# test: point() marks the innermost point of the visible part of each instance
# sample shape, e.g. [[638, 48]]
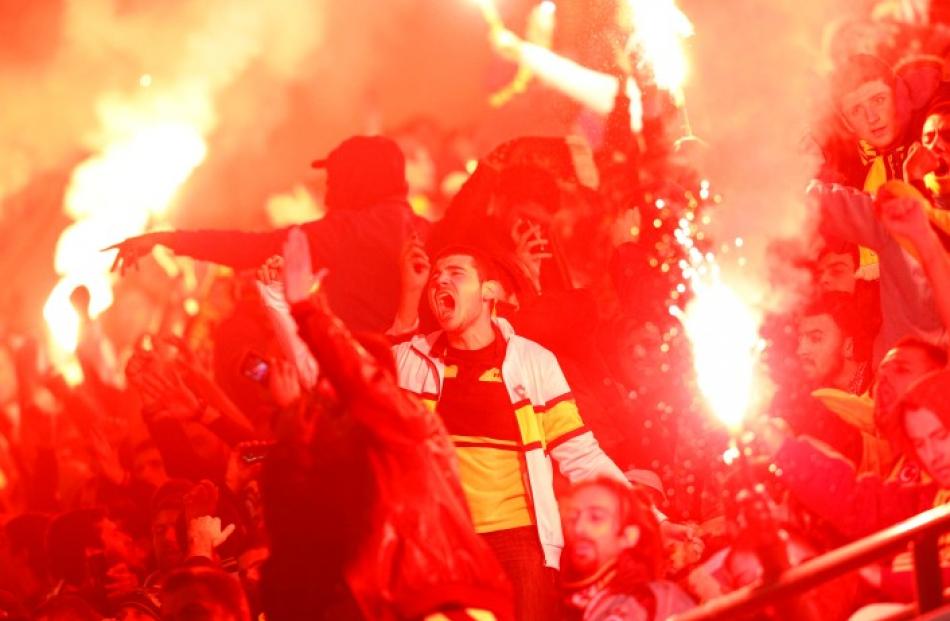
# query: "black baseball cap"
[[362, 170]]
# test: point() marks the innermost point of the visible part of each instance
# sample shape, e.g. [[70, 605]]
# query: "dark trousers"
[[536, 593]]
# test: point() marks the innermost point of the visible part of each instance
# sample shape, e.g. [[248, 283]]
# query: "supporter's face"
[[820, 348], [592, 529], [194, 603], [455, 293], [871, 112], [835, 272], [936, 137], [117, 544], [636, 356], [148, 467], [899, 368], [931, 442], [167, 548]]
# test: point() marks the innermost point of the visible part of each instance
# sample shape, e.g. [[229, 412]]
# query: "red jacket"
[[855, 505]]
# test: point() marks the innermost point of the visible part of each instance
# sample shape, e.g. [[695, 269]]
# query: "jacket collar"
[[434, 344]]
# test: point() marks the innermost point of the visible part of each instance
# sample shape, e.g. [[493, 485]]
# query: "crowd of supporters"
[[489, 412]]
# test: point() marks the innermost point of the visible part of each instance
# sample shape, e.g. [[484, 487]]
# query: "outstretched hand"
[[299, 279], [163, 391], [133, 249]]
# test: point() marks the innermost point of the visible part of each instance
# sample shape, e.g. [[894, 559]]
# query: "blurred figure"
[[827, 485], [359, 240], [168, 526], [91, 557], [94, 350], [908, 304], [928, 164], [67, 608], [203, 593], [23, 570], [614, 556], [148, 469]]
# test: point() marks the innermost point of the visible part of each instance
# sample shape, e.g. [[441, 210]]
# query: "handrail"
[[922, 529]]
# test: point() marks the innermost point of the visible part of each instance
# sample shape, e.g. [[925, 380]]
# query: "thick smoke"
[[753, 83], [268, 86]]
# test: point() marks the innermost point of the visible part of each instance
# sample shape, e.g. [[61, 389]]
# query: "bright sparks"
[[658, 39], [724, 333], [114, 194]]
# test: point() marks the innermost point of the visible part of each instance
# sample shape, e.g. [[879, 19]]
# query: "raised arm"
[[270, 286], [847, 214], [906, 218], [360, 380], [238, 249]]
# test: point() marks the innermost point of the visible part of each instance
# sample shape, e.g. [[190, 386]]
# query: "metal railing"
[[922, 531]]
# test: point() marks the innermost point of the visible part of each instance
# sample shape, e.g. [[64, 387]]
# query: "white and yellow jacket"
[[548, 420]]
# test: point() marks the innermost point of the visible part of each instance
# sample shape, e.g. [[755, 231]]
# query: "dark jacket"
[[855, 505], [360, 247]]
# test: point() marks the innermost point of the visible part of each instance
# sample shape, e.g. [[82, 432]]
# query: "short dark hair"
[[171, 495], [222, 587], [484, 263], [856, 71], [843, 310], [67, 539], [647, 559], [837, 246]]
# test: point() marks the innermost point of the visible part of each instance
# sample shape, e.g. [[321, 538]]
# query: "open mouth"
[[444, 302]]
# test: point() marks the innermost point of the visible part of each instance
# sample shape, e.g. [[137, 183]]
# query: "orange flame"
[[724, 333], [112, 195]]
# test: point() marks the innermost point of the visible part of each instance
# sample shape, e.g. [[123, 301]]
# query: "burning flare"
[[658, 40], [724, 333], [146, 155]]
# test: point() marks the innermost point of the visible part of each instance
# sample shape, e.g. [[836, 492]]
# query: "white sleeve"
[[285, 328]]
